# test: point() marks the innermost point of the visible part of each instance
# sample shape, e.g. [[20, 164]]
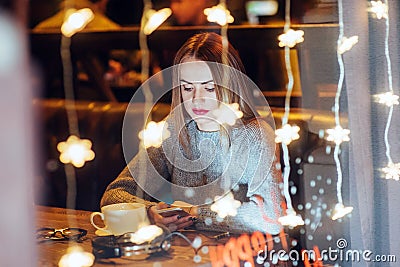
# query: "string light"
[[391, 171], [287, 133], [379, 9], [75, 151], [155, 19], [291, 219], [154, 134], [227, 113], [290, 38], [76, 257], [76, 20], [388, 98], [338, 134], [225, 205], [345, 44], [219, 14], [340, 211], [146, 234]]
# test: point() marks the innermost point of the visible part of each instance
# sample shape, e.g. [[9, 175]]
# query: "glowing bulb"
[[76, 20], [146, 234], [76, 257], [291, 38], [76, 151], [338, 135], [345, 44], [291, 219], [154, 134], [392, 171], [228, 113], [287, 134], [218, 14], [388, 98], [155, 19], [379, 9], [225, 205], [340, 211]]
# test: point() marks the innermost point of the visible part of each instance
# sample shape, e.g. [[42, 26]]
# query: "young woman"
[[205, 157]]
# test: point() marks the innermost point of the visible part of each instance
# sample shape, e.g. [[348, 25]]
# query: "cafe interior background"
[[337, 80]]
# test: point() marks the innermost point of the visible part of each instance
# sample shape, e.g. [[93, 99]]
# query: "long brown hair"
[[230, 85]]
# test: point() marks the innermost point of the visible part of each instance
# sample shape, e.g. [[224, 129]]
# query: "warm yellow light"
[[146, 234], [218, 14], [228, 113], [76, 151], [287, 134], [76, 257], [340, 211], [225, 205], [76, 20], [392, 171], [155, 19], [154, 134], [388, 98], [379, 9], [290, 38], [345, 44], [338, 135], [291, 219]]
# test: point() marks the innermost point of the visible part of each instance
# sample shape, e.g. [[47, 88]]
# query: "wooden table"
[[50, 252]]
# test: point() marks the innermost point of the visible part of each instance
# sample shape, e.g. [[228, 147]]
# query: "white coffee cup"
[[121, 218]]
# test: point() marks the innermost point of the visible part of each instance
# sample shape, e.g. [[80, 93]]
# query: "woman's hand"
[[173, 222]]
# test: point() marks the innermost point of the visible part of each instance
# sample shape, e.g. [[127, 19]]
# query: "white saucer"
[[102, 233]]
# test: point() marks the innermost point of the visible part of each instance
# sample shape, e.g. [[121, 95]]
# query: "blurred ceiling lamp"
[[256, 9], [76, 20], [155, 18], [218, 14]]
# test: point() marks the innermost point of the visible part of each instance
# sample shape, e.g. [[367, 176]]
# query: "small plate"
[[103, 233]]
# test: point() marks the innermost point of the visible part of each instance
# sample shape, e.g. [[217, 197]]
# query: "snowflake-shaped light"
[[228, 113], [392, 171], [146, 234], [76, 151], [291, 38], [388, 98], [345, 44], [287, 134], [225, 205], [155, 19], [340, 211], [379, 9], [154, 134], [76, 257], [291, 219], [338, 135], [218, 14], [76, 20]]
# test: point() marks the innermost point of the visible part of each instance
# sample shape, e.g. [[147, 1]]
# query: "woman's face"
[[198, 93]]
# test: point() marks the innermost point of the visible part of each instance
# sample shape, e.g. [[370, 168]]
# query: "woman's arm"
[[145, 166], [259, 189]]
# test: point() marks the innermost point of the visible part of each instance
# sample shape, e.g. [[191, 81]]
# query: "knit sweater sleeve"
[[143, 167], [261, 205]]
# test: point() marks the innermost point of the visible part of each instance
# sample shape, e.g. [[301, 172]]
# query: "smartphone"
[[168, 212]]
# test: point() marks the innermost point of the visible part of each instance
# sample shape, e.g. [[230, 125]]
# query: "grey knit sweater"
[[247, 165]]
